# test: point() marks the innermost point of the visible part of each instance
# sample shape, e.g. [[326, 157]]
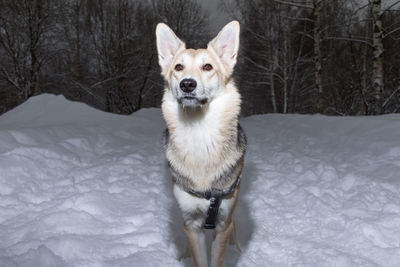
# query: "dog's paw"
[[185, 254], [235, 243]]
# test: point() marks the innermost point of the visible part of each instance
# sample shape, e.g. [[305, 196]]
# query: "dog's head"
[[195, 77]]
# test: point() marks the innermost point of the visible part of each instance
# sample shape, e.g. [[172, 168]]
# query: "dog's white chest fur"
[[200, 140], [197, 141]]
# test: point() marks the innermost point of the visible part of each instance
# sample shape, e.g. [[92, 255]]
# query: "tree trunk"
[[363, 100], [317, 55], [273, 62], [377, 43], [77, 72], [285, 56], [146, 78], [272, 85]]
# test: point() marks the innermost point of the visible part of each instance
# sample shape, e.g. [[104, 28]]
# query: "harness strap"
[[214, 192], [214, 195]]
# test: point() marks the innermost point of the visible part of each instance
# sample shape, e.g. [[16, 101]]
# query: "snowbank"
[[80, 187]]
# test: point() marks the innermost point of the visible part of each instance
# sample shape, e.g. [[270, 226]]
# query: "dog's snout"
[[188, 85]]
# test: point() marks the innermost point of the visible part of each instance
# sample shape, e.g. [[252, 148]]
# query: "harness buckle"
[[212, 212]]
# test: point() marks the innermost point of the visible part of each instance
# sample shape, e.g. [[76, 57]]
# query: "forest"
[[333, 57]]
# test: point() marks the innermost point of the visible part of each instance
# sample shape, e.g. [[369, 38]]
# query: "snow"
[[81, 187]]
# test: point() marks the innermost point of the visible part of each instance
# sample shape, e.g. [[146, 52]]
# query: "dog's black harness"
[[214, 195]]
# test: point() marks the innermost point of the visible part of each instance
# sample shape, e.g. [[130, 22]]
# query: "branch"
[[348, 39], [257, 64], [390, 97], [90, 92], [298, 19], [11, 81], [389, 7], [293, 4], [389, 33]]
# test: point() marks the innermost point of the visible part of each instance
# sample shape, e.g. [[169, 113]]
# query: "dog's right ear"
[[168, 45]]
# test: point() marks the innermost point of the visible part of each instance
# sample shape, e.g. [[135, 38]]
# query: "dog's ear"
[[226, 44], [168, 44]]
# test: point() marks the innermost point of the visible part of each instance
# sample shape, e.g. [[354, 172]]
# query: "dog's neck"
[[202, 141], [192, 115]]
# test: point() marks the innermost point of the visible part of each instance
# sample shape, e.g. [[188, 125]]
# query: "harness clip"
[[212, 212]]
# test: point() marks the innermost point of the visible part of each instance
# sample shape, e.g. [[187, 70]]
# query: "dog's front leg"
[[197, 245], [219, 245], [233, 239]]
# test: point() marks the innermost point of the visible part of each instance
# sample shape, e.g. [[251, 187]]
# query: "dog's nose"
[[188, 85]]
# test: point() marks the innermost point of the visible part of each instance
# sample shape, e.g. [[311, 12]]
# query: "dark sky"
[[217, 17]]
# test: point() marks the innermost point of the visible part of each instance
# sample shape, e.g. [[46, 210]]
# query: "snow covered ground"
[[80, 187]]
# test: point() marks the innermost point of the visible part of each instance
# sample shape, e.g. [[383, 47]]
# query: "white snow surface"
[[81, 187]]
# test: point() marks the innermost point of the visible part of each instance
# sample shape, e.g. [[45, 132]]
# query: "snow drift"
[[80, 187]]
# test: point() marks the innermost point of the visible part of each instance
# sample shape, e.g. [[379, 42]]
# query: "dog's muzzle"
[[189, 95], [192, 101]]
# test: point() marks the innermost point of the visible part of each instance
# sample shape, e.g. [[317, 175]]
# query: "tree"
[[391, 60], [26, 41], [317, 54], [377, 42], [278, 56]]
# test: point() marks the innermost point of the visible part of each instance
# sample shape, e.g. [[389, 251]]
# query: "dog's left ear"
[[226, 44]]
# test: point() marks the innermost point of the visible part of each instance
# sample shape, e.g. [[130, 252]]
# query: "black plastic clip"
[[212, 212]]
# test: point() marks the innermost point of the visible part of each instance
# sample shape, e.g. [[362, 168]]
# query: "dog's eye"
[[207, 67], [178, 67]]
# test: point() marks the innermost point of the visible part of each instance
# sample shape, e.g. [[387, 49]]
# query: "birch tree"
[[377, 42], [391, 43]]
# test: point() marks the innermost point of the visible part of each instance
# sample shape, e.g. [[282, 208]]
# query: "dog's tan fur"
[[203, 142]]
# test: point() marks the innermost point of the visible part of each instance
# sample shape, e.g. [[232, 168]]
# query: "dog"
[[204, 143]]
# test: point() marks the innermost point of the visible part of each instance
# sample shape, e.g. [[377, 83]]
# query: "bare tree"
[[317, 54], [377, 40], [25, 38], [276, 53]]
